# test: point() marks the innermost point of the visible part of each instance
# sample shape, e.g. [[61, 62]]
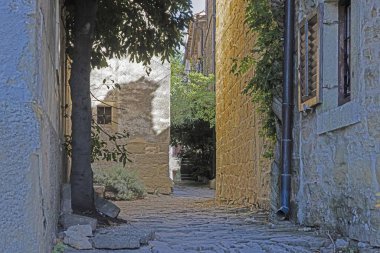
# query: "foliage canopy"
[[193, 117], [101, 29], [191, 95], [140, 29], [265, 20]]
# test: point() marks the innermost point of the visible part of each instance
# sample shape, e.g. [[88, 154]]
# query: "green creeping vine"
[[264, 18]]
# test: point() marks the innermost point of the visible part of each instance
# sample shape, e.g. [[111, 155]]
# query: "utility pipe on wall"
[[213, 36], [213, 69], [287, 108]]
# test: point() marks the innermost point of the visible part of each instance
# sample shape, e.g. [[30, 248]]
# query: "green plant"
[[191, 96], [121, 181], [59, 248], [114, 150], [266, 58], [97, 30], [192, 116]]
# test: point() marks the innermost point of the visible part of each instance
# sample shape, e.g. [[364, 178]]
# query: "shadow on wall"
[[142, 109], [134, 112]]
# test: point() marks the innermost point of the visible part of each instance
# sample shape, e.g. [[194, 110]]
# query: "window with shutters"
[[104, 115], [344, 52], [309, 54]]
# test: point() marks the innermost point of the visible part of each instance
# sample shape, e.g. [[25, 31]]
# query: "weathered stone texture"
[[31, 84], [208, 64], [141, 107], [106, 207], [69, 220], [242, 173], [122, 237], [77, 240], [336, 149], [200, 51]]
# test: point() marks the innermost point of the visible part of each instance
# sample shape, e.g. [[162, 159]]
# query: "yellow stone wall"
[[243, 176]]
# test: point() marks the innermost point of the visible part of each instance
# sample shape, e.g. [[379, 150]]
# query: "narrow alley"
[[189, 221], [225, 126]]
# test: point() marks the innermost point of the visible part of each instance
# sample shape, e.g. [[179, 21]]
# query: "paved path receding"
[[189, 221]]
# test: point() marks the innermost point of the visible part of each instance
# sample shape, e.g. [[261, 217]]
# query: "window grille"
[[344, 52], [104, 115]]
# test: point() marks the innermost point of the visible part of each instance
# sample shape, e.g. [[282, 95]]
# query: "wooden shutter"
[[309, 59]]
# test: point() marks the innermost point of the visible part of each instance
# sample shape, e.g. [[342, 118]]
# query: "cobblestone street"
[[189, 221]]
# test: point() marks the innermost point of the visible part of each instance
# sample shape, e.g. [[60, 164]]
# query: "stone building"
[[242, 174], [335, 161], [32, 84], [200, 57], [141, 107], [209, 40], [195, 46], [200, 45], [336, 151]]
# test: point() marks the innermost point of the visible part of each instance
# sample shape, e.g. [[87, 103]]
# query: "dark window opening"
[[344, 52], [104, 115]]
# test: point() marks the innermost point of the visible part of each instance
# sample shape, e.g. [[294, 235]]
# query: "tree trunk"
[[81, 173]]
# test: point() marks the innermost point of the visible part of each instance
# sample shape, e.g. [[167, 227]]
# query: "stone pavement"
[[189, 221]]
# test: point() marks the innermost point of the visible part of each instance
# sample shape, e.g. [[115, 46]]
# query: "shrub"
[[122, 182], [59, 248]]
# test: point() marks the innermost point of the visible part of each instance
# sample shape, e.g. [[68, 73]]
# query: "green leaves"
[[140, 29], [192, 115], [266, 57], [124, 183], [114, 150], [192, 96]]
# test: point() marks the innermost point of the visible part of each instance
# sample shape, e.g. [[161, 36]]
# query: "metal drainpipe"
[[213, 69], [287, 109]]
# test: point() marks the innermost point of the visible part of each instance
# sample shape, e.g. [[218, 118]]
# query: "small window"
[[309, 74], [344, 52], [104, 114]]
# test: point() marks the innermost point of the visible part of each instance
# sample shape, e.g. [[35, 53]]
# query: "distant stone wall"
[[142, 108], [208, 64], [336, 161], [31, 84], [242, 174]]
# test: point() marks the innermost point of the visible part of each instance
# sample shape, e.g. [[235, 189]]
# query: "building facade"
[[141, 107], [200, 45], [200, 57], [335, 161], [32, 84], [336, 151], [242, 174], [195, 46]]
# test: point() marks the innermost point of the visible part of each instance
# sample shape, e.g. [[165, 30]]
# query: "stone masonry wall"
[[30, 124], [208, 67], [242, 174], [141, 107], [336, 172]]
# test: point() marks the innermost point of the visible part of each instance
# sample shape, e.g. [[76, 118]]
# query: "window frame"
[[345, 51], [317, 99], [103, 119]]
